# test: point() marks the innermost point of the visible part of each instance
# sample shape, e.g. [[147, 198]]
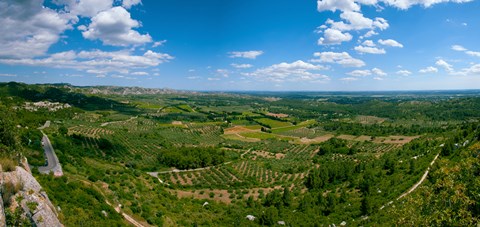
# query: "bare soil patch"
[[237, 129], [318, 139], [267, 154], [395, 139], [277, 115]]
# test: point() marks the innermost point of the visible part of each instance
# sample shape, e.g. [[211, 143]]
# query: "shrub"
[[8, 165]]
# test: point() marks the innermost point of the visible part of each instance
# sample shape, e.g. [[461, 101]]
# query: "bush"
[[8, 165]]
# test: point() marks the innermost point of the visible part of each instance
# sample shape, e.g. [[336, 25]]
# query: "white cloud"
[[353, 19], [29, 28], [241, 66], [294, 72], [360, 73], [405, 4], [333, 37], [193, 77], [7, 75], [378, 72], [363, 73], [368, 43], [223, 72], [356, 21], [473, 70], [140, 74], [349, 79], [159, 43], [129, 3], [253, 54], [213, 78], [341, 58], [369, 50], [334, 5], [444, 65], [378, 78], [96, 61], [381, 23], [473, 53], [115, 27], [390, 42], [370, 33], [463, 49], [429, 69], [458, 48], [88, 8], [404, 72]]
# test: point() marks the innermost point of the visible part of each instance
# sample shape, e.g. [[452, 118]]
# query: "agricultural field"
[[159, 156]]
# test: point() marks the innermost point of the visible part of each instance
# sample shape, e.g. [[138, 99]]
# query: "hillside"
[[243, 159]]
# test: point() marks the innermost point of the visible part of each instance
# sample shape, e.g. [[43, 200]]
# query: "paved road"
[[53, 165]]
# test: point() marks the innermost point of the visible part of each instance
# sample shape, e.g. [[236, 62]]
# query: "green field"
[[273, 123]]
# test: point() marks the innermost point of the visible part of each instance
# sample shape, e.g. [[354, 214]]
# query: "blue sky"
[[326, 45]]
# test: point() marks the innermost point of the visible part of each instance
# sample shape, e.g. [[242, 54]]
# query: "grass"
[[293, 127], [264, 136], [273, 123], [239, 138], [8, 165], [186, 108]]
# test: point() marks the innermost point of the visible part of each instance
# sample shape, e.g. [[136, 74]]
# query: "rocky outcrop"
[[2, 214], [30, 198]]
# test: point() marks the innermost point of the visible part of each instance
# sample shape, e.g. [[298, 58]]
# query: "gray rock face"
[[2, 215], [35, 203]]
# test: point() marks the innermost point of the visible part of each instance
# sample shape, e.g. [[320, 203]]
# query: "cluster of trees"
[[336, 146], [358, 129], [191, 157], [331, 173]]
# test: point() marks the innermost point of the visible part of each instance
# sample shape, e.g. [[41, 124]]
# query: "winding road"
[[53, 164], [415, 186]]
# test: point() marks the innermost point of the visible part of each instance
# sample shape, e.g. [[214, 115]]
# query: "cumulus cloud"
[[295, 72], [333, 37], [465, 50], [360, 73], [253, 54], [429, 69], [405, 4], [129, 3], [241, 66], [341, 58], [354, 5], [351, 17], [366, 72], [88, 8], [458, 48], [96, 61], [349, 79], [115, 27], [370, 50], [404, 72], [29, 28], [140, 73], [334, 5], [445, 65], [368, 43], [378, 72], [390, 42], [159, 43]]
